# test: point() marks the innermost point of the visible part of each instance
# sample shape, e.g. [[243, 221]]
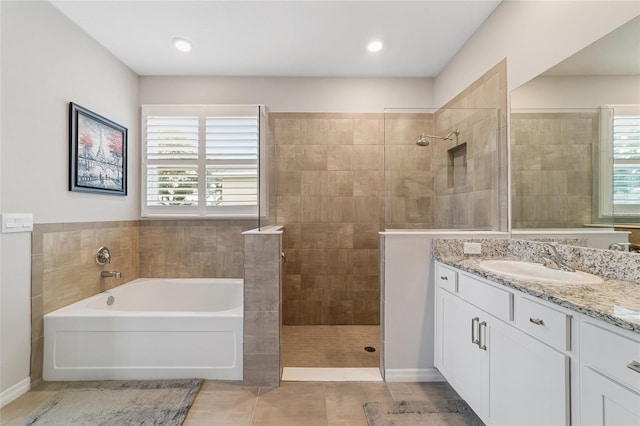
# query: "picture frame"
[[97, 153]]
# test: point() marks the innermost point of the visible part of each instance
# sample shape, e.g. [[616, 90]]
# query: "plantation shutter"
[[232, 160], [200, 160], [172, 161], [626, 160]]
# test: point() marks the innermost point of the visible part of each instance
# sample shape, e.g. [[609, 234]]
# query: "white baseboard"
[[413, 375], [15, 391]]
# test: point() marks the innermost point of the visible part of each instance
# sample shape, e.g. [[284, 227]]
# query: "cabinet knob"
[[635, 366], [444, 278], [536, 321]]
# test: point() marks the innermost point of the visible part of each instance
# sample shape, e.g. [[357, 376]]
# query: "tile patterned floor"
[[330, 345], [292, 404]]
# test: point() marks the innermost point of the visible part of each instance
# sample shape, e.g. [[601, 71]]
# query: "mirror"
[[566, 125]]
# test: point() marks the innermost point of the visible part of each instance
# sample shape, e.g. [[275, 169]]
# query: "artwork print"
[[98, 153]]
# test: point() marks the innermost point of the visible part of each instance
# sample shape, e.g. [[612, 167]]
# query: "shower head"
[[423, 140]]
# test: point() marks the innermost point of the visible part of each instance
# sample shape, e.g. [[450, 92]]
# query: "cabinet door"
[[528, 380], [461, 360], [606, 403]]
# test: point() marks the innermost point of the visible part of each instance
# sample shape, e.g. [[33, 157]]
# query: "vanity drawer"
[[446, 278], [547, 324], [495, 301], [611, 353]]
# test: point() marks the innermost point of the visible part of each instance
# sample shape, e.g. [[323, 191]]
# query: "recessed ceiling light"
[[374, 46], [182, 44]]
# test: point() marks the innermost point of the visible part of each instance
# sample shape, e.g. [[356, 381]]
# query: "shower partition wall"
[[441, 169], [267, 203]]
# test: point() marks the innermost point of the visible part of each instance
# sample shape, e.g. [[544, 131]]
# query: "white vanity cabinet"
[[505, 374], [610, 375]]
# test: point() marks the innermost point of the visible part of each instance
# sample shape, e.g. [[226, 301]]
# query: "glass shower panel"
[[441, 169], [266, 171]]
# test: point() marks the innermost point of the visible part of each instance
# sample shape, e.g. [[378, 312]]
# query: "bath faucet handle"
[[103, 256]]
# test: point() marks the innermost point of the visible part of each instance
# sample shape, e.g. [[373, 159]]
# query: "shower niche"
[[457, 166]]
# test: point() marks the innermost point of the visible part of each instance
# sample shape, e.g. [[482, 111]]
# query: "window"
[[200, 160], [620, 162]]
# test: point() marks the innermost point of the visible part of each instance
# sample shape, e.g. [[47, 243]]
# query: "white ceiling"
[[282, 38]]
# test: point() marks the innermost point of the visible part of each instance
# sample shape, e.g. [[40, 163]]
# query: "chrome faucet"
[[629, 247], [107, 274], [553, 259]]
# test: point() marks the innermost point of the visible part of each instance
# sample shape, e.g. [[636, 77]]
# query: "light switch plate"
[[472, 248], [17, 222]]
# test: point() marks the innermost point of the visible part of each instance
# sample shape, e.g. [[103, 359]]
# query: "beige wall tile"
[[365, 236], [369, 210], [292, 236], [37, 356], [409, 183], [368, 183], [368, 157], [327, 183], [289, 209], [37, 314], [287, 131], [312, 157], [368, 131], [289, 184], [341, 157], [322, 235]]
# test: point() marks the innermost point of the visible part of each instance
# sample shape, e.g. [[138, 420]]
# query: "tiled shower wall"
[[551, 162], [480, 202], [330, 202], [465, 170], [408, 171], [64, 270]]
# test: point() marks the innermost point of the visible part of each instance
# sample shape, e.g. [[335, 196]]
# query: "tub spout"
[[106, 274]]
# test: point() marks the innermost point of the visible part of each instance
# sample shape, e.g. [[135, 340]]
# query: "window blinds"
[[201, 160], [626, 160]]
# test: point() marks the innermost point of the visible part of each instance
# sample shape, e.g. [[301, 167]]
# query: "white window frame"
[[607, 209], [201, 210]]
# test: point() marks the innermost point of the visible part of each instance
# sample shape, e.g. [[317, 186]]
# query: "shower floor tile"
[[330, 346]]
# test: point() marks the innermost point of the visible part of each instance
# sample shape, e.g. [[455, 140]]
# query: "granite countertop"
[[614, 301]]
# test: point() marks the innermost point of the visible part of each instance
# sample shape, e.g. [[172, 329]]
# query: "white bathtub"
[[155, 329]]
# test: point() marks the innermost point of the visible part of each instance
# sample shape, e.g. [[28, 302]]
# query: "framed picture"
[[98, 153]]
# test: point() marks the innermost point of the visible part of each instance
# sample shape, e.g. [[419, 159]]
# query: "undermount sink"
[[537, 272]]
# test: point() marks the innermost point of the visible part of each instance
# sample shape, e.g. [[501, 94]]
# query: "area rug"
[[131, 402], [439, 412]]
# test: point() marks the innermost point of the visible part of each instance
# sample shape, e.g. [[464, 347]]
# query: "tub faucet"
[[553, 259], [106, 274]]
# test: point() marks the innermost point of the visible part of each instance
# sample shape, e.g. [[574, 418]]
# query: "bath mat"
[[440, 412], [130, 402]]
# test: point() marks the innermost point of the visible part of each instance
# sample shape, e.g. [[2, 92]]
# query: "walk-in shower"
[[423, 140]]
